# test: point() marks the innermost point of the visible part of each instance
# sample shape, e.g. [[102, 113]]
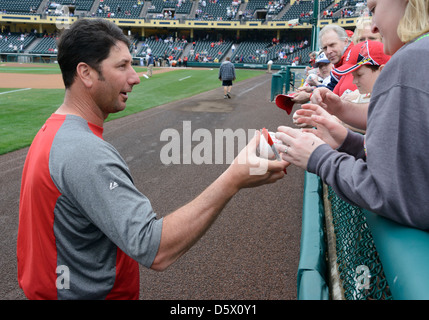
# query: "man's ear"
[[85, 73]]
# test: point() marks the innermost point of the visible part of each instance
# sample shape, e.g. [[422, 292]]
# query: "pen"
[[273, 147]]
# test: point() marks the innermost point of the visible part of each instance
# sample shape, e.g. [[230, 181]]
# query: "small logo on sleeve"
[[113, 185]]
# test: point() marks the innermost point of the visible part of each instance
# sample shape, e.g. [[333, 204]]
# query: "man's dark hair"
[[88, 41]]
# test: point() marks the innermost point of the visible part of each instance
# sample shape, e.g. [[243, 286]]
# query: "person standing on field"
[[150, 64], [227, 76]]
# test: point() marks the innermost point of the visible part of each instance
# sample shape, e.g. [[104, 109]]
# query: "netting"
[[359, 272]]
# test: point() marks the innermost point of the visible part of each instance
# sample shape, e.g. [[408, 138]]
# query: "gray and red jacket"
[[83, 225]]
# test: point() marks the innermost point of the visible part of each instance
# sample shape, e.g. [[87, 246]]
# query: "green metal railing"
[[349, 253], [289, 77], [360, 270]]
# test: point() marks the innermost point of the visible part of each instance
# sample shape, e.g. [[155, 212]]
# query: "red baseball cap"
[[364, 53], [284, 101]]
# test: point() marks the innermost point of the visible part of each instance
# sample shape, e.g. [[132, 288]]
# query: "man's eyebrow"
[[124, 60]]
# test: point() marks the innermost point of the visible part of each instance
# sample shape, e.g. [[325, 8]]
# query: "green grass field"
[[23, 112], [36, 69]]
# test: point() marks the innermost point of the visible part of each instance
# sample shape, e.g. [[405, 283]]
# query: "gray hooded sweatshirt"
[[387, 170]]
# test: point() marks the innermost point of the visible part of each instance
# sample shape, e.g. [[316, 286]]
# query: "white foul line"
[[15, 90], [185, 78], [250, 89]]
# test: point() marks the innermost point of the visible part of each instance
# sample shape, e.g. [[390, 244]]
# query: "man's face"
[[115, 81], [333, 46]]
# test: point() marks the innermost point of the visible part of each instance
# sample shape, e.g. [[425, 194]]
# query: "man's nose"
[[134, 78]]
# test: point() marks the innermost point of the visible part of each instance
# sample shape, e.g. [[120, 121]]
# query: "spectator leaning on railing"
[[336, 45], [386, 171]]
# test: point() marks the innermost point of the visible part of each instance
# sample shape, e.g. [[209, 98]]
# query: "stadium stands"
[[343, 9], [56, 8], [272, 8], [21, 7], [176, 6], [129, 9], [258, 51], [80, 5], [46, 45], [300, 8], [210, 51], [207, 9], [161, 48], [14, 42], [216, 10], [251, 52], [282, 53]]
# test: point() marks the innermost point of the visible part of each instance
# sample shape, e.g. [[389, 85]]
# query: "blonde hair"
[[415, 21], [362, 23]]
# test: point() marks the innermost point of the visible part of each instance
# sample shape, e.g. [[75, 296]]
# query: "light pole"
[[315, 28]]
